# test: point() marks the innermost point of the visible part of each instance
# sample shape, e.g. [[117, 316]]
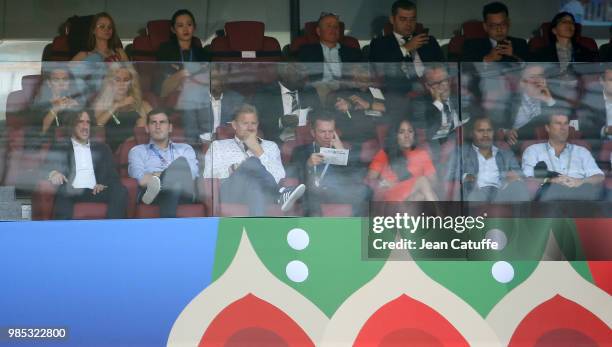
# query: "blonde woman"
[[119, 107]]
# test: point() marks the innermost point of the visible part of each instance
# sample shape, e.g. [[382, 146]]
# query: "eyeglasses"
[[435, 84], [494, 26]]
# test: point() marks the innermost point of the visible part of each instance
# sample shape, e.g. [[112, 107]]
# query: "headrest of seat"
[[158, 31], [473, 29], [245, 35]]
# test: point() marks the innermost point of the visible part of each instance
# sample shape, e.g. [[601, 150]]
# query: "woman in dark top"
[[120, 107], [564, 47], [182, 47]]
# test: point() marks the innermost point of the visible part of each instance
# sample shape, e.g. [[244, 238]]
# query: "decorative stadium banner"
[[285, 282]]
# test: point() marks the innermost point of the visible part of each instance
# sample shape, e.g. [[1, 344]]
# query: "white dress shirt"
[[449, 121], [216, 108], [416, 59], [222, 154], [332, 68], [85, 176], [574, 161], [488, 172]]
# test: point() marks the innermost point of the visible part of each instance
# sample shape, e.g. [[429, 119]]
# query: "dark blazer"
[[605, 52], [230, 102], [476, 49], [386, 49], [579, 54], [269, 103], [423, 114], [298, 168], [61, 159], [468, 163], [314, 53]]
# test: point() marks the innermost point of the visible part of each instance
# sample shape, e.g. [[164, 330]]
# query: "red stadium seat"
[[245, 41], [469, 30], [43, 199]]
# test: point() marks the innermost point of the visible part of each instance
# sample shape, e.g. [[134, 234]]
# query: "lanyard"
[[163, 160], [552, 163], [190, 55]]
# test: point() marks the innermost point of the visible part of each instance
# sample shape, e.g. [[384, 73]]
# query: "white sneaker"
[[153, 188], [289, 195]]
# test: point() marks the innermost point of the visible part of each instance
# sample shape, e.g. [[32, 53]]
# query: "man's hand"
[[494, 55], [505, 48], [98, 188], [342, 105], [147, 177], [566, 181], [57, 178], [315, 159], [252, 143], [469, 178], [512, 176], [608, 130], [511, 136], [360, 104], [544, 94], [336, 142], [416, 42]]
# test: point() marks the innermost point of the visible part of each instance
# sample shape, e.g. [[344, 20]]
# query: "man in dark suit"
[[286, 103], [486, 172], [84, 171], [326, 183], [498, 47], [406, 47], [405, 44], [219, 108], [328, 50]]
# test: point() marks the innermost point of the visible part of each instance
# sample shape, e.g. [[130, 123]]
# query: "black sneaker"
[[289, 195]]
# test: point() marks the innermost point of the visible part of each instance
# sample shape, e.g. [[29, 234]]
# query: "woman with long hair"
[[103, 43], [403, 171], [120, 107]]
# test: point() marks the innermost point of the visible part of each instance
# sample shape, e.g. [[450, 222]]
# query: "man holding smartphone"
[[498, 46]]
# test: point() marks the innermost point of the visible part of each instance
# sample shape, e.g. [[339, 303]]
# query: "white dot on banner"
[[502, 271], [297, 271], [298, 239], [497, 236]]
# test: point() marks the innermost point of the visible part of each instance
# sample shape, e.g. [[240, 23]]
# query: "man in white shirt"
[[566, 171], [594, 116], [84, 171], [250, 168]]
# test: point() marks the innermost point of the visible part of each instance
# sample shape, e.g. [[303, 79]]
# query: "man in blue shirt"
[[165, 170]]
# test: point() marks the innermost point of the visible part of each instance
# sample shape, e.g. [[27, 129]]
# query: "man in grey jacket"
[[486, 172]]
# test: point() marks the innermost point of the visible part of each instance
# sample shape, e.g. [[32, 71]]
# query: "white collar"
[[75, 143], [152, 144], [212, 98], [494, 150], [337, 46], [285, 90]]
